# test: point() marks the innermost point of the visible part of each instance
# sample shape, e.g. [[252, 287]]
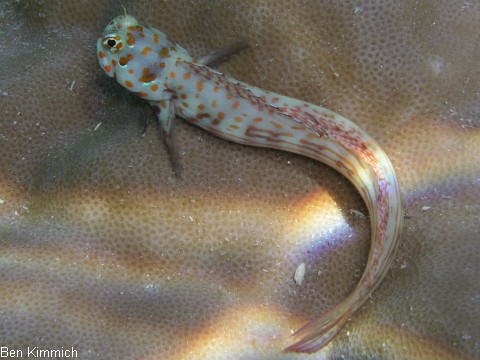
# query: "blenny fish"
[[144, 61]]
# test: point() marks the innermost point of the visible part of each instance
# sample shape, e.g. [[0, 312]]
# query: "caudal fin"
[[317, 333]]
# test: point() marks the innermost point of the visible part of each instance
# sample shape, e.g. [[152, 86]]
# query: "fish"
[[146, 62]]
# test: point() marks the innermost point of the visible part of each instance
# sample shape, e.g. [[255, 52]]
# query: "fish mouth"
[[102, 58]]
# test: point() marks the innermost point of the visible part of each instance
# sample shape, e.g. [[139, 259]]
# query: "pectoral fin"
[[165, 111]]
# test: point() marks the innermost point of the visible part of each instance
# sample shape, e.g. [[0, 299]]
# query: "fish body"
[[146, 62]]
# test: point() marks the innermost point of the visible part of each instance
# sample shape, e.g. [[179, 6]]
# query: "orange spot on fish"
[[114, 62], [146, 50], [258, 119], [234, 127], [155, 38], [128, 83], [180, 87], [297, 127], [235, 104], [215, 122], [238, 119], [142, 94], [130, 71], [130, 39], [213, 103], [162, 65], [101, 54], [201, 106], [186, 76], [108, 68], [275, 99], [220, 115], [147, 76], [229, 96], [199, 86], [277, 125], [124, 60], [173, 75], [183, 96], [163, 104], [184, 104], [154, 87], [215, 89], [164, 52]]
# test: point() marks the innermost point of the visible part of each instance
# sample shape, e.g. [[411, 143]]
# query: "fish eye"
[[113, 43]]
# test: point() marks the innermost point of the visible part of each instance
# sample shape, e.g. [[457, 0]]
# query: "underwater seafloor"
[[106, 251]]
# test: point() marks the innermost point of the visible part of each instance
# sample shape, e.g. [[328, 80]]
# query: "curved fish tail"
[[318, 333]]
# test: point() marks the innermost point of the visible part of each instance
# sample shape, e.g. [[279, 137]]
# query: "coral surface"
[[104, 249]]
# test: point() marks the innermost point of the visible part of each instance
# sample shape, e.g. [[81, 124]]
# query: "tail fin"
[[319, 332]]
